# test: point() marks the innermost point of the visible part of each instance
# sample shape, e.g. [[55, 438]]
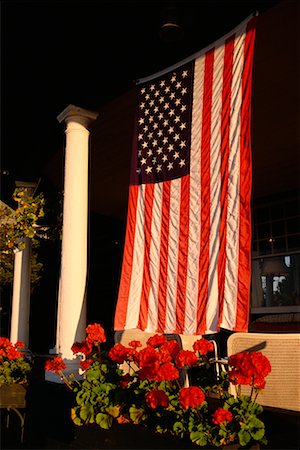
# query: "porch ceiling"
[[274, 136]]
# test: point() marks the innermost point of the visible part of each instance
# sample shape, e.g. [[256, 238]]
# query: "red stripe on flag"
[[244, 270], [183, 246], [163, 262], [121, 310], [143, 315], [205, 193], [225, 135]]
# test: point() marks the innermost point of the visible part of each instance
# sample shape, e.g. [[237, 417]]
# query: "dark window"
[[276, 252]]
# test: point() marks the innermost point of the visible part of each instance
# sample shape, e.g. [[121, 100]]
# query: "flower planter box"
[[130, 436], [147, 394], [126, 436]]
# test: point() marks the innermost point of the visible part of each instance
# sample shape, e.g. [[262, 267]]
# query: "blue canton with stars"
[[164, 127]]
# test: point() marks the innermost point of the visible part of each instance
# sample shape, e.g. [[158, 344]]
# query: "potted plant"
[[15, 368], [141, 387]]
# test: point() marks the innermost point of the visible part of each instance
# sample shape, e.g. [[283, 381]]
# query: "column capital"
[[76, 114]]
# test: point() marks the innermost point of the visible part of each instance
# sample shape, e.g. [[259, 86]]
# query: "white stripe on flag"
[[212, 310], [155, 257], [195, 199], [173, 255]]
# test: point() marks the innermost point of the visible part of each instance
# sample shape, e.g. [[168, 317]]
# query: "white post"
[[19, 325], [71, 315]]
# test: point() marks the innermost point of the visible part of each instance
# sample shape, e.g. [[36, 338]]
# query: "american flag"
[[186, 263]]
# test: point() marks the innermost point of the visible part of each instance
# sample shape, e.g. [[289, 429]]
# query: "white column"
[[71, 315], [19, 325]]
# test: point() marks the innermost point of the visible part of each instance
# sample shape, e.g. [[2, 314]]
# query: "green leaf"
[[257, 429], [30, 233], [113, 411], [107, 387], [21, 245], [255, 409], [159, 429], [230, 401], [82, 397], [75, 417], [136, 414], [104, 420], [244, 437], [104, 368], [179, 429], [86, 384], [198, 437], [93, 374], [87, 413]]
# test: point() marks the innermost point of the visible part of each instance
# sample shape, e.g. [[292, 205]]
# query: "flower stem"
[[98, 350], [65, 380]]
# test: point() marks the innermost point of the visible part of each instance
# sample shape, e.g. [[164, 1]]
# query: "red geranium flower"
[[236, 377], [81, 347], [135, 344], [156, 398], [259, 382], [167, 371], [9, 350], [186, 358], [13, 353], [203, 346], [5, 342], [55, 365], [191, 397], [118, 353], [172, 347], [131, 354], [157, 340], [125, 380], [249, 368], [148, 356], [95, 333], [148, 373], [86, 364], [220, 415], [164, 355], [261, 363], [19, 344]]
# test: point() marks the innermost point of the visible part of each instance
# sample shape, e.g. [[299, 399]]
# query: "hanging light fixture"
[[171, 30]]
